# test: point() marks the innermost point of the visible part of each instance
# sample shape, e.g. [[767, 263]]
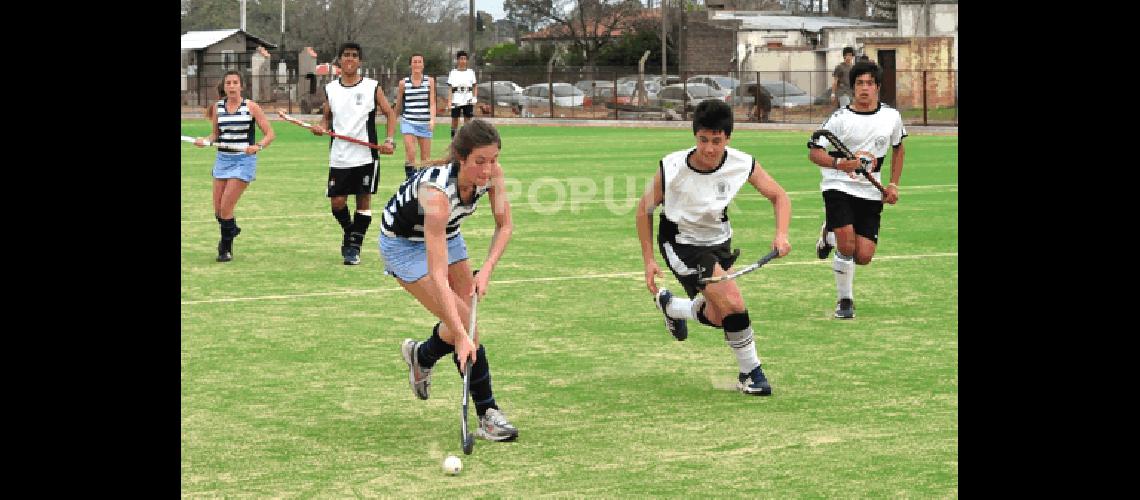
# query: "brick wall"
[[708, 47]]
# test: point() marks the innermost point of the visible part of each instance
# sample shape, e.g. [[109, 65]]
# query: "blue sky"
[[493, 7]]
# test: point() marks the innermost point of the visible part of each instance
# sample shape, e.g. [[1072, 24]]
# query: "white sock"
[[744, 347], [365, 212], [844, 267], [831, 238], [679, 308]]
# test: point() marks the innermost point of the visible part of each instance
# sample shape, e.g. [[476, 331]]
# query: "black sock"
[[409, 170], [480, 382], [358, 229], [343, 217], [229, 228], [433, 348]]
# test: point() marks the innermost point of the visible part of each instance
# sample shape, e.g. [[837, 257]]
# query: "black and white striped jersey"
[[235, 129], [417, 106], [873, 131], [694, 203], [353, 110], [404, 216]]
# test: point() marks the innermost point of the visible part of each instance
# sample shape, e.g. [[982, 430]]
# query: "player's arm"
[[390, 123], [819, 156], [897, 154], [782, 205], [436, 212], [431, 104], [644, 220], [214, 132], [450, 89], [263, 124], [504, 227], [398, 106]]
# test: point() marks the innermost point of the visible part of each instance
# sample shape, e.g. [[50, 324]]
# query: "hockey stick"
[[864, 162], [751, 267], [466, 438], [353, 140], [221, 147]]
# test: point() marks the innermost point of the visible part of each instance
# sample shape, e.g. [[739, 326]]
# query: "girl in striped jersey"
[[416, 97], [232, 121], [424, 250]]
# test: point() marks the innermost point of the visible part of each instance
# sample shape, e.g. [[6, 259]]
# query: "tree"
[[588, 24]]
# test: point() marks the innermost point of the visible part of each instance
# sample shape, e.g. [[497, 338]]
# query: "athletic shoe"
[[419, 378], [677, 327], [225, 250], [351, 255], [822, 247], [845, 309], [493, 426], [759, 385]]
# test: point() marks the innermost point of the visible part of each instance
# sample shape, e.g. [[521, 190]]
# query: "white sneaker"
[[493, 426], [419, 378]]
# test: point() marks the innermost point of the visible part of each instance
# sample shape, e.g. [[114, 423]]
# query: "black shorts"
[[361, 179], [846, 210], [690, 263], [468, 111]]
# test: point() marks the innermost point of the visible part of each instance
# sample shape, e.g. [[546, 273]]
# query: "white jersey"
[[353, 114], [697, 202], [873, 131], [463, 85]]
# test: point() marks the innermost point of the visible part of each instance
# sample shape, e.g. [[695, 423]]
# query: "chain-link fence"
[[926, 97]]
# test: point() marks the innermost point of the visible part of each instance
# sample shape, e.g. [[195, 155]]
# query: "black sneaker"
[[759, 385], [845, 309], [351, 255], [822, 247], [225, 250], [677, 327]]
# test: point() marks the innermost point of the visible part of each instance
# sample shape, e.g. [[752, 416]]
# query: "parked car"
[[823, 99], [786, 94], [719, 82], [564, 95], [688, 96], [503, 92]]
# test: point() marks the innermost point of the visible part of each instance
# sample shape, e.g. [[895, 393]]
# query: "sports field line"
[[568, 200], [533, 280]]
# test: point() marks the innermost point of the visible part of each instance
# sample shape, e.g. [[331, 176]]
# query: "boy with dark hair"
[[852, 205], [350, 109], [694, 187], [463, 93]]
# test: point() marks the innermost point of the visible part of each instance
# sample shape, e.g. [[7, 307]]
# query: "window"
[[229, 60]]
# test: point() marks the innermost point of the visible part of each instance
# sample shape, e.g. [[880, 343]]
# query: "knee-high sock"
[[359, 227], [229, 228], [844, 267], [433, 348], [738, 336], [480, 381], [344, 218]]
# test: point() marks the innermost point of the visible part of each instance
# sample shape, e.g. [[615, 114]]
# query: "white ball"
[[452, 465]]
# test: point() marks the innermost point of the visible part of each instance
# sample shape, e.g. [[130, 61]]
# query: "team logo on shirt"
[[721, 190], [881, 143], [359, 99]]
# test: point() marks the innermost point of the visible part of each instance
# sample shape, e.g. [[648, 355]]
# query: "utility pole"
[[663, 44], [243, 15], [470, 37]]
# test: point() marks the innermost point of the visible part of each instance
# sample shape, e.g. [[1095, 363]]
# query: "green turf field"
[[292, 384]]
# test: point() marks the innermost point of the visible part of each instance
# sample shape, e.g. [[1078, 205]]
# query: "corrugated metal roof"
[[761, 21], [193, 40]]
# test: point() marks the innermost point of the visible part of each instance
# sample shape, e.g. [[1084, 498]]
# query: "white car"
[[564, 95]]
